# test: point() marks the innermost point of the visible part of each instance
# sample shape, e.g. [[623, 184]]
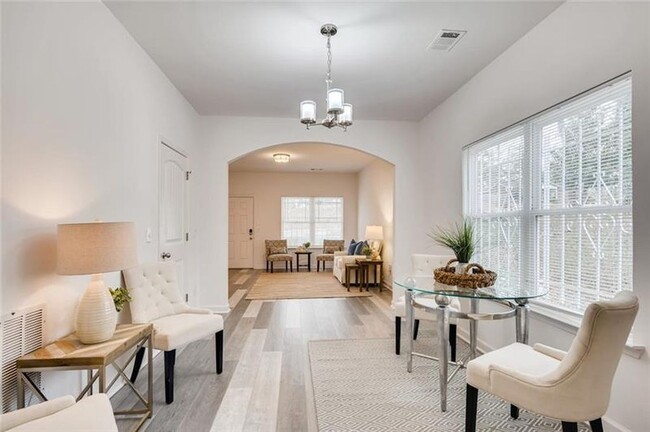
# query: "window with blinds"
[[311, 219], [551, 198]]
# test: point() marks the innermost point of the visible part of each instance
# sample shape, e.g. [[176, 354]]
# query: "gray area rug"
[[361, 385]]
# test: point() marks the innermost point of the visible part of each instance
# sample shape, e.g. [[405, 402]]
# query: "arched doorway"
[[327, 175]]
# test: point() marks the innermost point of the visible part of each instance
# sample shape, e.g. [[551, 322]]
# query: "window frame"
[[530, 195], [312, 218]]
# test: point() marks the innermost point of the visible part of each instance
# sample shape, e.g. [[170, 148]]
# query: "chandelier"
[[338, 113]]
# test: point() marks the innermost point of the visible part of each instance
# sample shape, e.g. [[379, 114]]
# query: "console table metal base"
[[98, 374]]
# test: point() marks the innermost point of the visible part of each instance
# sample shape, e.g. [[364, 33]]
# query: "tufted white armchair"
[[155, 299], [423, 265], [571, 386]]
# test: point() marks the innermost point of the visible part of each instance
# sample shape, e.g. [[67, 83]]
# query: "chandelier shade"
[[339, 113], [308, 112], [346, 117], [335, 101]]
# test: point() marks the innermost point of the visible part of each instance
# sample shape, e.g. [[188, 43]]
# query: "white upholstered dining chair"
[[155, 299], [571, 386], [423, 265]]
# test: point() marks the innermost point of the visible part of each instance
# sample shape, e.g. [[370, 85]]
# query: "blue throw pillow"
[[359, 249], [352, 247]]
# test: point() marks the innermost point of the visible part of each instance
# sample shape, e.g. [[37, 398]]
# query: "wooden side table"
[[69, 353], [365, 265], [298, 265], [349, 268]]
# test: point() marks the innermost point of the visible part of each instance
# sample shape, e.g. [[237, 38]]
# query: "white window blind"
[[552, 198], [311, 219]]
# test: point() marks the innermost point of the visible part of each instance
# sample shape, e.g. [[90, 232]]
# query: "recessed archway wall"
[[225, 139]]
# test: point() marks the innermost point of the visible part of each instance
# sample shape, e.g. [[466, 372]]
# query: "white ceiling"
[[304, 156], [262, 59]]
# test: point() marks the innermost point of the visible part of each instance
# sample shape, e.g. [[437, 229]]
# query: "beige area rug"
[[275, 286], [361, 385]]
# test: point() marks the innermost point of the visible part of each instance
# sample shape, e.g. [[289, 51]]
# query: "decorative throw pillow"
[[278, 250], [359, 248], [352, 247], [330, 249]]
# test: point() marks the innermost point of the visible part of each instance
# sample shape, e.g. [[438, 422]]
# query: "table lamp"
[[92, 249], [375, 233]]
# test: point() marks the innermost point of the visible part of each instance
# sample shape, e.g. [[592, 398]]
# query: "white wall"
[[376, 207], [267, 189], [83, 108], [227, 138], [576, 47]]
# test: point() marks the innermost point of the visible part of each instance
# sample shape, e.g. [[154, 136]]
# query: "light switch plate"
[[148, 235]]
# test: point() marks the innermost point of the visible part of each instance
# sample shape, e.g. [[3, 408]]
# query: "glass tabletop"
[[499, 291]]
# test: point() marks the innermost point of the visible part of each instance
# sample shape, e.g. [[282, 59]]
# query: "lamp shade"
[[308, 112], [374, 232], [335, 101], [96, 247], [345, 118]]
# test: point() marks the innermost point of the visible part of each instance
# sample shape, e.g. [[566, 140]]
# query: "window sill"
[[571, 324]]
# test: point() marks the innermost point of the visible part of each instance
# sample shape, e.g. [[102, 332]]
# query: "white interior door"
[[172, 232], [240, 232]]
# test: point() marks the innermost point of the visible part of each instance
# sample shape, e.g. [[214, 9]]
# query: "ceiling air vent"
[[446, 40]]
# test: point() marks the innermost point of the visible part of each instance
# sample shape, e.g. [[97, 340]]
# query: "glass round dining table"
[[514, 296]]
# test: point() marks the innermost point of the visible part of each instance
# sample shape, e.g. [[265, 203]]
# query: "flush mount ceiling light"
[[281, 157], [338, 113]]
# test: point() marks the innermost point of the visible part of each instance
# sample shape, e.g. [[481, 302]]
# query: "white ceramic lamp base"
[[96, 315]]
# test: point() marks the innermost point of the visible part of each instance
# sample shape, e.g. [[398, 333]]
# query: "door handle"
[[250, 234], [166, 255]]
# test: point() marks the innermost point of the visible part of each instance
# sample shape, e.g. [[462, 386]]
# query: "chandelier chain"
[[329, 63]]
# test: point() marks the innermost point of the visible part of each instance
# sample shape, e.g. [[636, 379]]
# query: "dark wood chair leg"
[[569, 427], [137, 364], [452, 341], [170, 360], [272, 262], [398, 333], [286, 266], [471, 406], [596, 425], [291, 266], [267, 266], [218, 342], [514, 412], [416, 327]]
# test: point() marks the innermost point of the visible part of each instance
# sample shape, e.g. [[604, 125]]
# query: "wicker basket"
[[474, 276]]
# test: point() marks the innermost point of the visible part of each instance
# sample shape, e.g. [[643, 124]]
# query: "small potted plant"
[[306, 245], [120, 296], [460, 239]]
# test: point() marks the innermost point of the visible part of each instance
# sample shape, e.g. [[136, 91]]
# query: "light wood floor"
[[265, 384]]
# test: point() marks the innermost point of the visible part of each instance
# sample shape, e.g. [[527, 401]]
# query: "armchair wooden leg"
[[452, 341], [272, 262], [398, 333], [267, 266], [596, 425], [137, 363], [218, 341], [569, 427], [170, 360], [416, 327], [471, 406], [291, 266], [514, 412]]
